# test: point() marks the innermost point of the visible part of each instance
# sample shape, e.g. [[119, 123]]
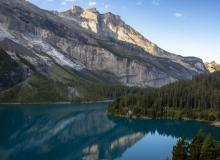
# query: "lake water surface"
[[84, 131]]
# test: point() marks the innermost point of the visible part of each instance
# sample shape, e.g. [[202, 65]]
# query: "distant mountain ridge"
[[77, 52], [212, 66]]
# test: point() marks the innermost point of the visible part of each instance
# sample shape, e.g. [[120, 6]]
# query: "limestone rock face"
[[212, 66], [112, 26], [109, 25], [85, 41]]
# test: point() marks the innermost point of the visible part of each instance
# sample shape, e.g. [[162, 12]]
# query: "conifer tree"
[[218, 151], [195, 146], [208, 149], [180, 150]]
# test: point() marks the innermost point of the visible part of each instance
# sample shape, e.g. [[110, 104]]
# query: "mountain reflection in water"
[[66, 132]]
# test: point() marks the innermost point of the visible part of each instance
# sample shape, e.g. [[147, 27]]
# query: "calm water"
[[75, 132]]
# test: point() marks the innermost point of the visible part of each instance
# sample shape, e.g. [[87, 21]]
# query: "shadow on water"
[[81, 131]]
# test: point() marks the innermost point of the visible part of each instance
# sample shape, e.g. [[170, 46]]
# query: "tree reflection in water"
[[83, 131]]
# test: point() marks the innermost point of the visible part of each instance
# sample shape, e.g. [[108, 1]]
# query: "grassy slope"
[[44, 88], [37, 89]]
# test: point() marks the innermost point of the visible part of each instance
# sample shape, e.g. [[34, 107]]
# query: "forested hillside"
[[195, 99]]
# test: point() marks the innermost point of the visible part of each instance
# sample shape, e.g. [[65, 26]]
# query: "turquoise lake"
[[86, 132]]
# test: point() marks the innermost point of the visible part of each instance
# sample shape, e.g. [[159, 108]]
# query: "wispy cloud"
[[178, 14], [64, 2], [92, 3], [106, 6]]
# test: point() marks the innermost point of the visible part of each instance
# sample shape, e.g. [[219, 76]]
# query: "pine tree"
[[195, 146], [180, 150], [218, 151], [208, 149]]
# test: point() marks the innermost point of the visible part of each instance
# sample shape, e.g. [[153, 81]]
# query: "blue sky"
[[185, 27]]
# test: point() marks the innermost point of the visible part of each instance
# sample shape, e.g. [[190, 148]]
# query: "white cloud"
[[63, 3], [50, 0], [106, 6], [178, 14], [92, 3]]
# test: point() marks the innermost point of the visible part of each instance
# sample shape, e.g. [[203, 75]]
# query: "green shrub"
[[212, 118]]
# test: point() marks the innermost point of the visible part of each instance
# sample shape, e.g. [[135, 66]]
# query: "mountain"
[[79, 53], [212, 66], [110, 25]]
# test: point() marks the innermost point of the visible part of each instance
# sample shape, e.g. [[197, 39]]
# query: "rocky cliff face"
[[212, 66], [110, 25], [98, 47]]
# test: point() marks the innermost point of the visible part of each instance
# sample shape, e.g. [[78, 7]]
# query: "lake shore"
[[216, 124], [211, 123], [82, 102]]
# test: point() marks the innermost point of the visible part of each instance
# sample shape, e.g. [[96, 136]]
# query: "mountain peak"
[[110, 14], [76, 9], [94, 10], [213, 62], [212, 66]]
